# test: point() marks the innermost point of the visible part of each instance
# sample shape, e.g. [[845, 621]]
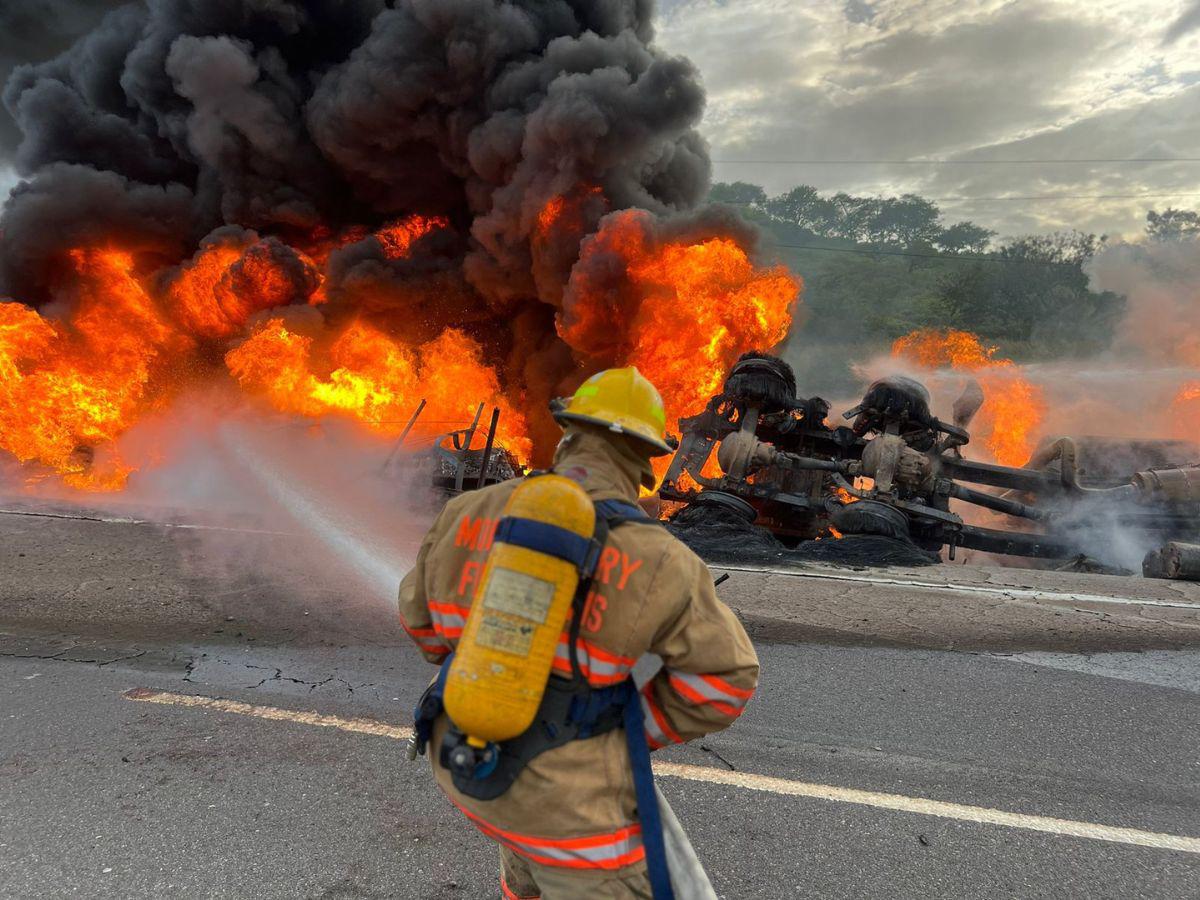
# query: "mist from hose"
[[338, 530]]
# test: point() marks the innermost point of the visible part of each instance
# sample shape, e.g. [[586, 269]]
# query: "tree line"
[[907, 221], [879, 267]]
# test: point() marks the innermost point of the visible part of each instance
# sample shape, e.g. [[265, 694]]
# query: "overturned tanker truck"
[[762, 454]]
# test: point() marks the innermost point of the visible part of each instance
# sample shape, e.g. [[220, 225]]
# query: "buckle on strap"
[[429, 707]]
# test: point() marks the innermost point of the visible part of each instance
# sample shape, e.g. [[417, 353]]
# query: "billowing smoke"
[[173, 120], [424, 166], [1161, 280], [31, 32]]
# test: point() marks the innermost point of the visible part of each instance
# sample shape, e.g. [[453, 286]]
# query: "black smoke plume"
[[170, 119]]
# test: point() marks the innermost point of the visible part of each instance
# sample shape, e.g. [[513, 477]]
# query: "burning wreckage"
[[782, 477]]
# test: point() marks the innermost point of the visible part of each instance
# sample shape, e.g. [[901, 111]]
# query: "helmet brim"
[[658, 446]]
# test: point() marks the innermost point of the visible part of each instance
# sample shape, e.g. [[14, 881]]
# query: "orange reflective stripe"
[[452, 609], [608, 656], [688, 692], [613, 850], [600, 667], [630, 850], [449, 619], [722, 685], [425, 638], [616, 862], [510, 894], [577, 843], [661, 733]]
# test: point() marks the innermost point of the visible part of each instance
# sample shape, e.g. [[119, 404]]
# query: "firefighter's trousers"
[[520, 878]]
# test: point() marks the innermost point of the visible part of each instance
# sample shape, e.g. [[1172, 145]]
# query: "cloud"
[[951, 79], [1189, 21]]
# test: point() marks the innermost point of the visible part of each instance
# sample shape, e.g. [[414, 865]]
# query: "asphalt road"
[[945, 685]]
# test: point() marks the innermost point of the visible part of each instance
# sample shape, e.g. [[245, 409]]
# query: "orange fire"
[[132, 336], [367, 376], [226, 283], [844, 495], [66, 388], [397, 237], [1014, 407], [688, 309], [1185, 412]]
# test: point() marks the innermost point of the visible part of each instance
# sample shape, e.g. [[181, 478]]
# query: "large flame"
[[69, 387], [683, 310], [1013, 408], [131, 335], [367, 376]]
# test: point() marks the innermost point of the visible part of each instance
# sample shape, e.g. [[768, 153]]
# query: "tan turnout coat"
[[574, 806]]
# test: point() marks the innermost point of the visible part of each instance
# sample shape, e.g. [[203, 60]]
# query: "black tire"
[[871, 517], [757, 378], [729, 502]]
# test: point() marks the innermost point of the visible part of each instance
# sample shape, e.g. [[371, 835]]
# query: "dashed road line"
[[743, 780]]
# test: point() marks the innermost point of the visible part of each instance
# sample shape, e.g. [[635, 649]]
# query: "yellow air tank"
[[504, 656]]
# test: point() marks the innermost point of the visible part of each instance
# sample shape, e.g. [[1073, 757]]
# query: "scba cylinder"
[[504, 656]]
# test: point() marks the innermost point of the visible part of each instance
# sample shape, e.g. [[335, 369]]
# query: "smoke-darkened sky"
[[903, 79]]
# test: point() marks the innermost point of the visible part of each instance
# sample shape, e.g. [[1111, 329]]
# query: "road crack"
[[708, 749]]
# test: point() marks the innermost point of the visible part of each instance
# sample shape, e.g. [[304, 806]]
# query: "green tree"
[[853, 217], [738, 193], [905, 221], [1035, 293], [803, 207], [964, 237], [1172, 224], [908, 221]]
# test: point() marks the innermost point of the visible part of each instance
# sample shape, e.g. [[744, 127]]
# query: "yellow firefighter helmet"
[[624, 401]]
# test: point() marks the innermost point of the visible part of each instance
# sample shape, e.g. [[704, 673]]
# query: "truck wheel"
[[730, 502], [871, 517]]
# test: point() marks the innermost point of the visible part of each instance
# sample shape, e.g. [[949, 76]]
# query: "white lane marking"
[[360, 726], [122, 520], [1014, 593], [924, 807], [744, 780]]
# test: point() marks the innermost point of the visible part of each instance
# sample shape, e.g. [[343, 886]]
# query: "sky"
[[791, 82], [963, 80]]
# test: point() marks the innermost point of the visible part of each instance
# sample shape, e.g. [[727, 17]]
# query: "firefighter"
[[573, 818]]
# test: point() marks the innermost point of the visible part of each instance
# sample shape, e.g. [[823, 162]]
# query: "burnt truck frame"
[[896, 467]]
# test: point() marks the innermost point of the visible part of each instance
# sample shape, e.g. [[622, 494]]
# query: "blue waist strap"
[[647, 800]]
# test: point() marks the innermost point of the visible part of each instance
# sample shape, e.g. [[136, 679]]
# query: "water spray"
[[380, 568]]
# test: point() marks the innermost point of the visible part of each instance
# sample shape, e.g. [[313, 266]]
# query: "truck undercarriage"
[[761, 451]]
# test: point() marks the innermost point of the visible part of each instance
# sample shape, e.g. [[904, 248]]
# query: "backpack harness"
[[570, 710]]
